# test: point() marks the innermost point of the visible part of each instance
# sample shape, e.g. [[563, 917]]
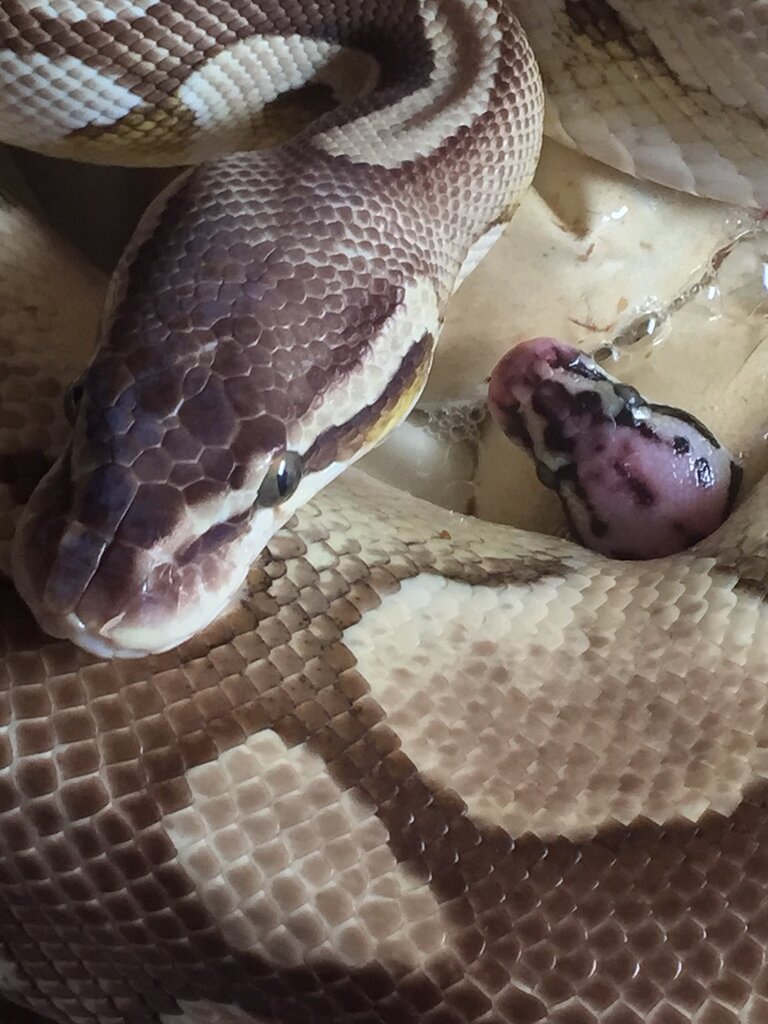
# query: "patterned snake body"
[[423, 768]]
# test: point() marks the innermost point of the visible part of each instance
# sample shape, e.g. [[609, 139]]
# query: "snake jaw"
[[163, 605], [167, 595]]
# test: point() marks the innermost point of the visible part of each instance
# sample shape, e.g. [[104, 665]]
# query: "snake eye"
[[282, 479], [72, 398]]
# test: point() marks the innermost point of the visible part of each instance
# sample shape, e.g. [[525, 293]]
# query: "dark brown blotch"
[[262, 435], [641, 492]]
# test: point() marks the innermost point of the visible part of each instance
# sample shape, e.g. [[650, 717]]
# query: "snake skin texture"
[[675, 91], [423, 769], [259, 826]]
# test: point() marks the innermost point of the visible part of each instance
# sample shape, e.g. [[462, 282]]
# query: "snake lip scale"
[[280, 744]]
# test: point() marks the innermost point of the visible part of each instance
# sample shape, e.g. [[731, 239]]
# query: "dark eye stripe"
[[340, 443]]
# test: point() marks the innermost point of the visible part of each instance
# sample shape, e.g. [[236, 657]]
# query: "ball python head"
[[273, 317], [241, 368]]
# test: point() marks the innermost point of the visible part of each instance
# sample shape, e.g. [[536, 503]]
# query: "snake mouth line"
[[224, 532]]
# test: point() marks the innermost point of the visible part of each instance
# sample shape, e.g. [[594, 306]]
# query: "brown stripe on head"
[[367, 427]]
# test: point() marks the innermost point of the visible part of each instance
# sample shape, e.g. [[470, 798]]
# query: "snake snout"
[[145, 586], [59, 556]]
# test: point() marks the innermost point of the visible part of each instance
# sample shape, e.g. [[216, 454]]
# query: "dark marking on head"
[[646, 431], [514, 425], [214, 537], [598, 526], [584, 369], [688, 537], [547, 476], [641, 492], [258, 435], [685, 417], [681, 445], [630, 396], [705, 477], [555, 438], [588, 403], [154, 513], [567, 479]]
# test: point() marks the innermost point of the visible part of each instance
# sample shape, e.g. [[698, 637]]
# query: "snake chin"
[[130, 642], [72, 628]]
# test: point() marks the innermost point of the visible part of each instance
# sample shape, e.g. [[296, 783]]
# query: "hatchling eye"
[[282, 479], [72, 398]]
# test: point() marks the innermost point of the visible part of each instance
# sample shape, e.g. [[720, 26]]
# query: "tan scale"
[[294, 868]]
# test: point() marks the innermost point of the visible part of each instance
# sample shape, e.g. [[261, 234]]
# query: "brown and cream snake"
[[421, 768]]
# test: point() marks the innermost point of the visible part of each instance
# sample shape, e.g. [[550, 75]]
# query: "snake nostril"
[[72, 398]]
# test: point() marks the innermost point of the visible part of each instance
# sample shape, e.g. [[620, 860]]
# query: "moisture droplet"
[[646, 326], [605, 353]]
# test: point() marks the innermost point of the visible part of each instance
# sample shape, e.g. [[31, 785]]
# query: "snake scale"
[[421, 768]]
